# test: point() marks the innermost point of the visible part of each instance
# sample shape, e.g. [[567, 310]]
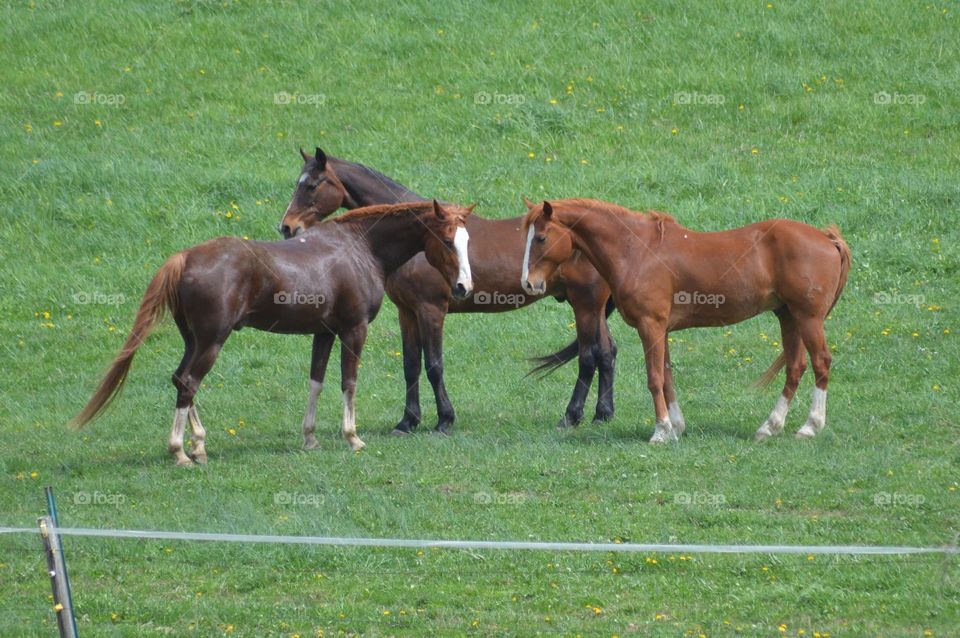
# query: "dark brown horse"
[[329, 282], [423, 297], [665, 277]]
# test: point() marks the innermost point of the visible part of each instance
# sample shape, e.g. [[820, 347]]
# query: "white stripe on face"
[[303, 178], [460, 240], [526, 259]]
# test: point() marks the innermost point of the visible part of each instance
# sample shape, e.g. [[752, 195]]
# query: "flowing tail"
[[161, 294], [833, 234], [552, 362]]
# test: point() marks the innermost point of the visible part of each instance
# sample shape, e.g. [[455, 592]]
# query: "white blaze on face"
[[460, 240], [302, 179], [526, 258]]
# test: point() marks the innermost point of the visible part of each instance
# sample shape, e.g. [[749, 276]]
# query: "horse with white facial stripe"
[[665, 277], [423, 298], [328, 282]]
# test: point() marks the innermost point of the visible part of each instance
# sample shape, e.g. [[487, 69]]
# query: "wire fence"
[[411, 543]]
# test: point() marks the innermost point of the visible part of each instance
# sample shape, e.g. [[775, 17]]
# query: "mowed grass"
[[721, 114]]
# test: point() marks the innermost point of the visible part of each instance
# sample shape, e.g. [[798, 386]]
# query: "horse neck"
[[393, 239], [367, 187], [597, 233]]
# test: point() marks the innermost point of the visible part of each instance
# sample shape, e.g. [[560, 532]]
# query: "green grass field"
[[131, 130]]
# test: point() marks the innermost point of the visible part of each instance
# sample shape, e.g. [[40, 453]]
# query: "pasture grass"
[[719, 113]]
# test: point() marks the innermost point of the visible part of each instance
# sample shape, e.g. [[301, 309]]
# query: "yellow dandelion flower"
[[232, 432], [531, 155], [553, 100], [755, 151], [57, 123]]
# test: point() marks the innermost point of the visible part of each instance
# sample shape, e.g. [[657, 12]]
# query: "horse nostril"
[[285, 231]]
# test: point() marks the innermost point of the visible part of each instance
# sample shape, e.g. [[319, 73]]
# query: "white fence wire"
[[709, 548]]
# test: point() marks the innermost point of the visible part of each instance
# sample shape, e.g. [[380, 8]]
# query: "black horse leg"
[[431, 336], [587, 314], [410, 335], [606, 361]]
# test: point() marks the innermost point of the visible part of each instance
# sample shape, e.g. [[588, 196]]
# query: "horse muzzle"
[[462, 291], [538, 289]]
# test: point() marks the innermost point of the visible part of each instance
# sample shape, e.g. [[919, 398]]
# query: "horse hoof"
[[311, 444], [405, 426], [603, 417], [567, 421], [199, 458], [663, 433], [356, 445], [806, 432], [442, 430], [398, 431], [184, 462]]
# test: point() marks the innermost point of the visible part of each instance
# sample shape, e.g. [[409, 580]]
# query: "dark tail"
[[552, 362], [161, 295], [833, 234]]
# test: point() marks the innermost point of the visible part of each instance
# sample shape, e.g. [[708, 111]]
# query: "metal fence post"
[[57, 568]]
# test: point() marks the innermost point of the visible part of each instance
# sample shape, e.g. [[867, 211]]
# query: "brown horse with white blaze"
[[423, 297], [328, 282], [665, 277]]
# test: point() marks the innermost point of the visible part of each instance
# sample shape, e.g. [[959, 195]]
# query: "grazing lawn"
[[131, 130]]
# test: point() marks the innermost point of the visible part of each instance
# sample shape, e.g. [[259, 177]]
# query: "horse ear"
[[547, 209], [528, 203], [303, 154], [470, 208], [438, 211], [321, 158]]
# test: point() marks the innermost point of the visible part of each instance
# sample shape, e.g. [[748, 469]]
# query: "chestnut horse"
[[423, 297], [328, 283], [665, 277]]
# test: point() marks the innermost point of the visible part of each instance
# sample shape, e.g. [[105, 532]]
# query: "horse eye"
[[541, 239], [448, 243]]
